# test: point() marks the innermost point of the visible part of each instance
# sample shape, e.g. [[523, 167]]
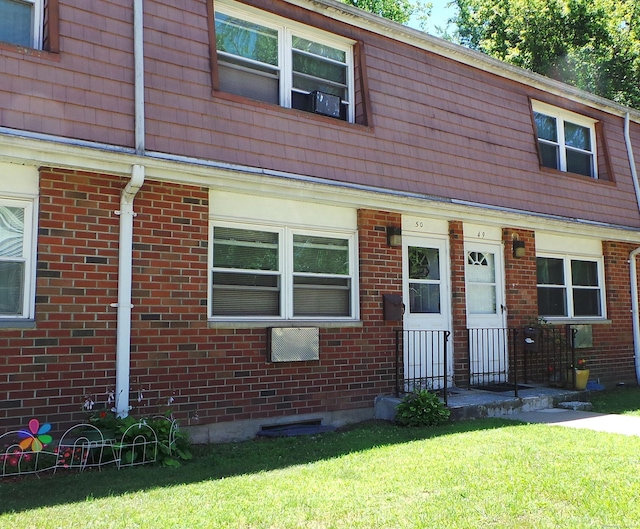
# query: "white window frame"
[[28, 257], [286, 273], [37, 17], [561, 116], [569, 288], [287, 29]]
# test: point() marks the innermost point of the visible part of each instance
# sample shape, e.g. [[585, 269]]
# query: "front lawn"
[[624, 400], [485, 473]]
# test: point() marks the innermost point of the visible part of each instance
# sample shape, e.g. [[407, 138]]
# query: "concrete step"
[[476, 403]]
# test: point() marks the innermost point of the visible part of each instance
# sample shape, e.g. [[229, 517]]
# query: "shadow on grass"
[[213, 462]]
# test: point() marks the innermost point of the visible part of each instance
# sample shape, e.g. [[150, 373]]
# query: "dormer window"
[[278, 61], [21, 22], [566, 141]]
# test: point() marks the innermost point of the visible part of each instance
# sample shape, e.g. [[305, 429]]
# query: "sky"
[[439, 15]]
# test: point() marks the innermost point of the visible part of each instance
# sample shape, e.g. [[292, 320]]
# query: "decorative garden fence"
[[82, 446]]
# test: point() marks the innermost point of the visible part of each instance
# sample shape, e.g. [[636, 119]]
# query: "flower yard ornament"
[[36, 437]]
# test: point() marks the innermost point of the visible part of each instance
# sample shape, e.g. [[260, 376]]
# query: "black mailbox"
[[393, 308], [531, 339]]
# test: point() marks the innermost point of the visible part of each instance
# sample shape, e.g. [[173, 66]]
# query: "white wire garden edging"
[[24, 452]]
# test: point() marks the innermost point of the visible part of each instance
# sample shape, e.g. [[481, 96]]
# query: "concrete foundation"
[[463, 404], [232, 431]]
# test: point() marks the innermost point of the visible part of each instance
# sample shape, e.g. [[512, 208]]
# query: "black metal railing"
[[549, 355], [422, 361], [493, 359], [498, 359]]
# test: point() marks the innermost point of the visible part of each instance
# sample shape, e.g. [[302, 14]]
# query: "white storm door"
[[426, 295], [488, 344]]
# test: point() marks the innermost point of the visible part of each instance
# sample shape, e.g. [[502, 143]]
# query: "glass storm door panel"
[[485, 313], [427, 311]]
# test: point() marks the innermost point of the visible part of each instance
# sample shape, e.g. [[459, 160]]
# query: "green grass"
[[485, 473], [625, 400]]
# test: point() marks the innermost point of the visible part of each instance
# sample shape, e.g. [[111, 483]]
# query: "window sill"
[[30, 52], [17, 324], [245, 101], [577, 176], [578, 321], [264, 324]]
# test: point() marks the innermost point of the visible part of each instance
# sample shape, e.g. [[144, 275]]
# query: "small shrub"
[[421, 408], [171, 451]]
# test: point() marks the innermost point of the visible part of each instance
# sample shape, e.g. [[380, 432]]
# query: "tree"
[[591, 44], [397, 10]]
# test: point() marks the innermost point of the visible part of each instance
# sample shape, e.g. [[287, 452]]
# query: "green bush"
[[421, 408], [173, 444]]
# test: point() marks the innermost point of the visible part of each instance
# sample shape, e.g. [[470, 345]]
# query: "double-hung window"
[[278, 61], [566, 141], [570, 287], [281, 273], [16, 260], [21, 22]]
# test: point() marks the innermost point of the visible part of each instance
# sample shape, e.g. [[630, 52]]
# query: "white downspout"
[[123, 338], [125, 258], [634, 310], [138, 57], [633, 267]]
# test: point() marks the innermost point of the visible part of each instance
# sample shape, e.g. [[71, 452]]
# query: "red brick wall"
[[520, 279], [214, 374], [71, 351], [458, 304], [612, 357], [222, 374]]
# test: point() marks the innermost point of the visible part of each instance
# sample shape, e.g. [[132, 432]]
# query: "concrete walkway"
[[622, 424]]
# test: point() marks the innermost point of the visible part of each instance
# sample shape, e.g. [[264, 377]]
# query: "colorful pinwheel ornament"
[[36, 437]]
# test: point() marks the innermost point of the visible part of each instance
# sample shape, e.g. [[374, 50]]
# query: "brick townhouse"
[[235, 205]]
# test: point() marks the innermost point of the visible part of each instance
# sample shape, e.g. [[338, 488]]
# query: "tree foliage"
[[397, 10], [591, 44]]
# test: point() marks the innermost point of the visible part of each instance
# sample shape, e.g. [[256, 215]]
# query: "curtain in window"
[[12, 264]]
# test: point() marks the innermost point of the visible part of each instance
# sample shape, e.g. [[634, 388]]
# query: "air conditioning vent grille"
[[293, 344]]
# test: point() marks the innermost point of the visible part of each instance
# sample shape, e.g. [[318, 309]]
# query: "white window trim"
[[561, 116], [285, 253], [286, 29], [28, 257], [569, 287], [37, 23]]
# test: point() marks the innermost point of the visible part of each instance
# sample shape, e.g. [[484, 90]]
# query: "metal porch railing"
[[422, 361], [493, 359], [498, 359]]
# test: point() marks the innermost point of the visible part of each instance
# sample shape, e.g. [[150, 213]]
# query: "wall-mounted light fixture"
[[518, 249], [394, 236]]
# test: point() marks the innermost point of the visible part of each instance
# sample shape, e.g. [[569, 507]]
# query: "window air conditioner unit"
[[325, 104]]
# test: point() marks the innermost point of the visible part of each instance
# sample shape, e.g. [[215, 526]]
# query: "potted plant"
[[581, 374]]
